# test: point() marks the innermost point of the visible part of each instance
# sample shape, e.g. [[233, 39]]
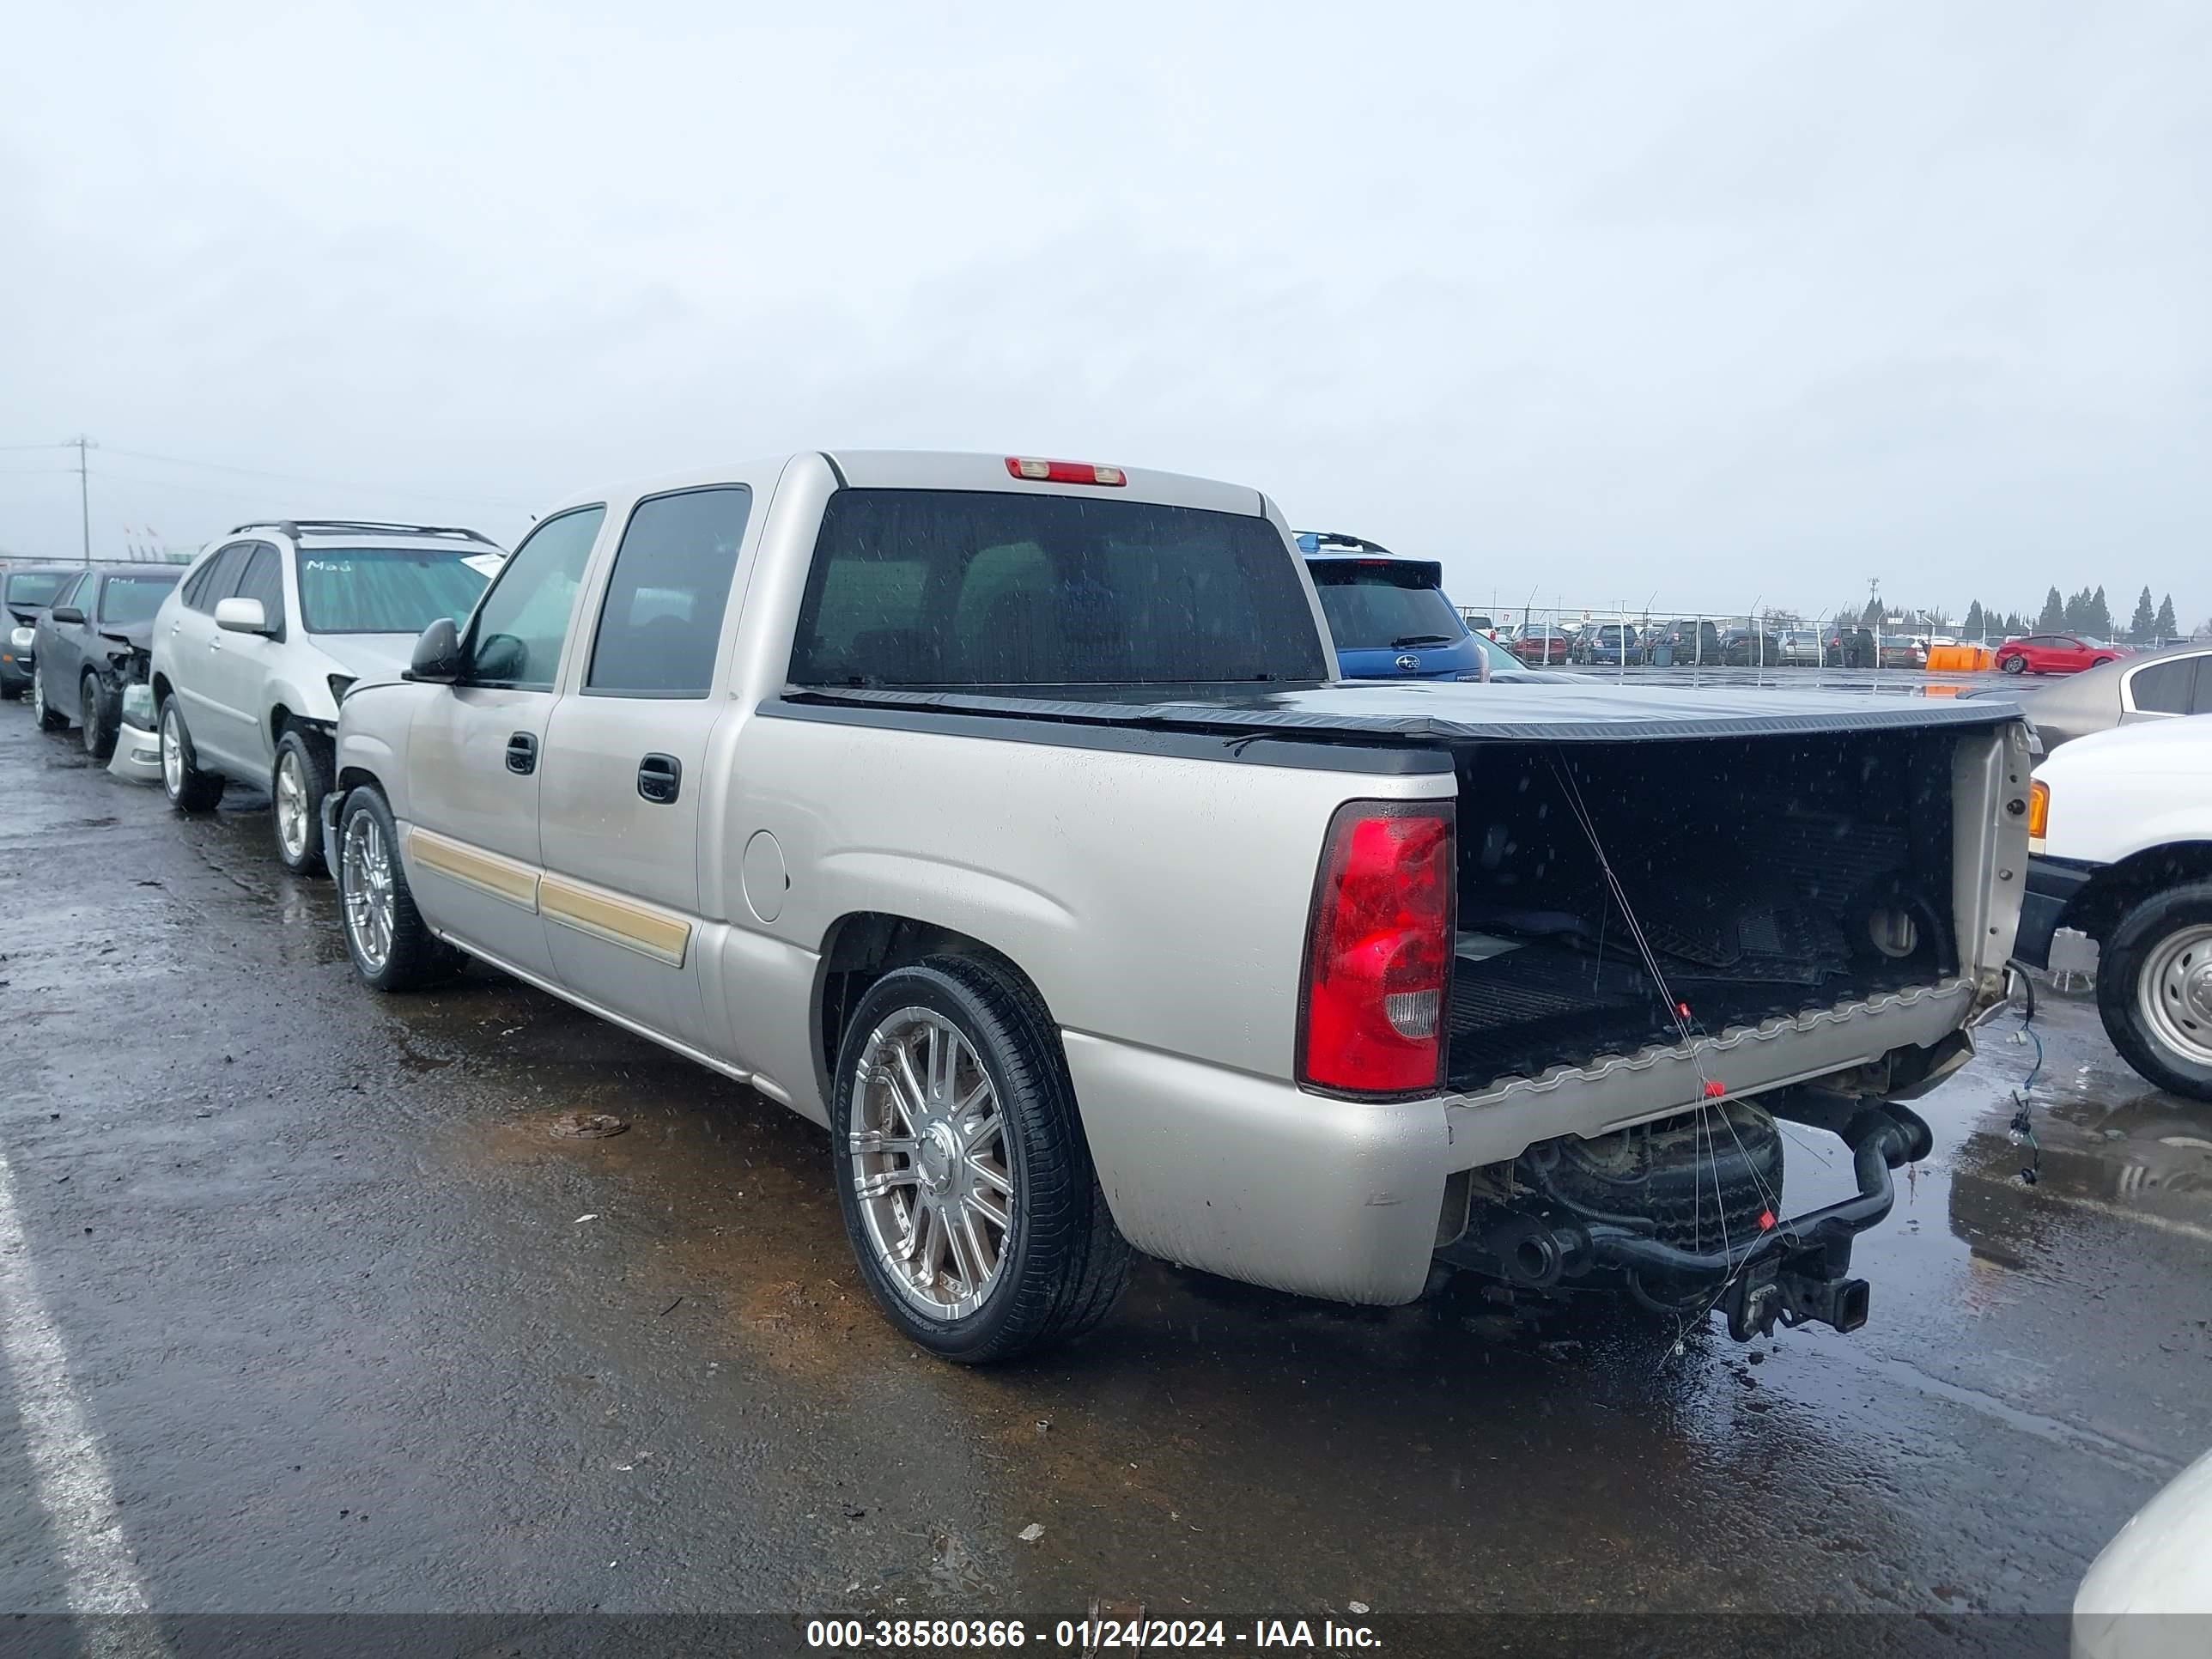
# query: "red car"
[[2055, 654], [1540, 645]]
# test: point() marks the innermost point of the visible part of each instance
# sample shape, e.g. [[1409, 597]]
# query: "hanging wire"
[[2022, 1128]]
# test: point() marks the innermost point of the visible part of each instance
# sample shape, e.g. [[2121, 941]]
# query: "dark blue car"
[[1389, 616]]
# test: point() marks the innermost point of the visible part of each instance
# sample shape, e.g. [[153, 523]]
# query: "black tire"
[[1701, 1178], [99, 716], [310, 754], [10, 692], [50, 719], [1064, 1262], [2123, 954], [193, 790], [2012, 664], [416, 957]]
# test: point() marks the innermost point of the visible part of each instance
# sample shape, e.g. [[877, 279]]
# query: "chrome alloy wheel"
[[172, 751], [2173, 992], [39, 693], [366, 879], [929, 1164], [293, 814]]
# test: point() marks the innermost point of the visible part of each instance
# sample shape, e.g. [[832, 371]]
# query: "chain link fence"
[[1626, 638]]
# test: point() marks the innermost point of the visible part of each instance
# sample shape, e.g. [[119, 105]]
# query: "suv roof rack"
[[292, 527]]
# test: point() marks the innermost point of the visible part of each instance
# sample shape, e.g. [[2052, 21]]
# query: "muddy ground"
[[345, 1328]]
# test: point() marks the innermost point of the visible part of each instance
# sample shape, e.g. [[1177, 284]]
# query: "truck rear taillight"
[[1378, 954], [1082, 472]]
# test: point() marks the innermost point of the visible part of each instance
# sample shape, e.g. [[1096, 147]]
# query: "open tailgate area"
[[1604, 888]]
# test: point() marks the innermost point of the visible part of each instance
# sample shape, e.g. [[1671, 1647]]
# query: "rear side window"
[[959, 587], [523, 622], [2164, 688], [217, 578], [263, 579], [661, 620]]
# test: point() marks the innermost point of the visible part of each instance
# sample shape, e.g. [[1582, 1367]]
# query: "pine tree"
[[1871, 617], [1975, 624], [2144, 624], [2053, 619], [2097, 616], [2166, 626]]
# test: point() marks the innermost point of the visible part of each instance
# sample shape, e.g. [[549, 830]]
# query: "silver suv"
[[270, 630]]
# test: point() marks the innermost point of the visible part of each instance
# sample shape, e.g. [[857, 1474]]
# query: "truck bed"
[[1384, 710], [1623, 855]]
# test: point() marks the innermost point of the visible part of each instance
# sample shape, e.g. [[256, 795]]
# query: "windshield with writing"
[[386, 589], [127, 599]]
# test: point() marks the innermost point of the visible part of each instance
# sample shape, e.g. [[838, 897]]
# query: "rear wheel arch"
[[863, 945]]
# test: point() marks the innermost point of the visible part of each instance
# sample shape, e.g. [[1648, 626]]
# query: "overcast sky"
[[1722, 302]]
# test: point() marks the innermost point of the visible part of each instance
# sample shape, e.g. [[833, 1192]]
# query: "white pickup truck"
[[1002, 816], [2121, 828]]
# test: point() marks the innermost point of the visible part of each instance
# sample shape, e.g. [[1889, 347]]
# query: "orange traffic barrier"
[[1960, 658]]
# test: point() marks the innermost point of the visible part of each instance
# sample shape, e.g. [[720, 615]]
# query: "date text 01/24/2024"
[[1092, 1635]]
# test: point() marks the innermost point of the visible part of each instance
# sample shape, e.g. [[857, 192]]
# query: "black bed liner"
[[1383, 710]]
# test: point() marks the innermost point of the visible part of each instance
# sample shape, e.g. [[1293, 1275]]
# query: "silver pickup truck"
[[1002, 816]]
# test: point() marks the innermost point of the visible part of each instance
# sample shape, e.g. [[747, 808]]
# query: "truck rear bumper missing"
[[1259, 1181], [1794, 1270]]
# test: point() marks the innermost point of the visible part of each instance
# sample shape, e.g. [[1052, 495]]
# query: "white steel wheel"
[[366, 880], [2154, 987], [928, 1159], [2173, 992]]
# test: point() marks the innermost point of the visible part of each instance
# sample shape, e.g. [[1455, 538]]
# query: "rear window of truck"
[[926, 587]]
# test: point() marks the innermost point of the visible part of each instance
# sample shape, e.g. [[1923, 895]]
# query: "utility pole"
[[83, 493]]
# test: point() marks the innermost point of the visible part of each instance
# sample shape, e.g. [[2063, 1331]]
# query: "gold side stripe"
[[488, 872], [619, 921]]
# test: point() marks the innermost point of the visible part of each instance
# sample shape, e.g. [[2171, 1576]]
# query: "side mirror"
[[66, 613], [437, 659], [241, 616]]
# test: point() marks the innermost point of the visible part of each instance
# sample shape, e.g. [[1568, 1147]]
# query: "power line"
[[325, 483]]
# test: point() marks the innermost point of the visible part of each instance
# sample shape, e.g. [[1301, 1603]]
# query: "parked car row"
[[899, 785], [1693, 642]]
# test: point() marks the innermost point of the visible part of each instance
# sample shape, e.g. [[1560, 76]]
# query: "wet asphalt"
[[349, 1329]]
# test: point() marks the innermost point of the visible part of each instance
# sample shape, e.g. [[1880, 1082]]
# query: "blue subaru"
[[1389, 616]]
